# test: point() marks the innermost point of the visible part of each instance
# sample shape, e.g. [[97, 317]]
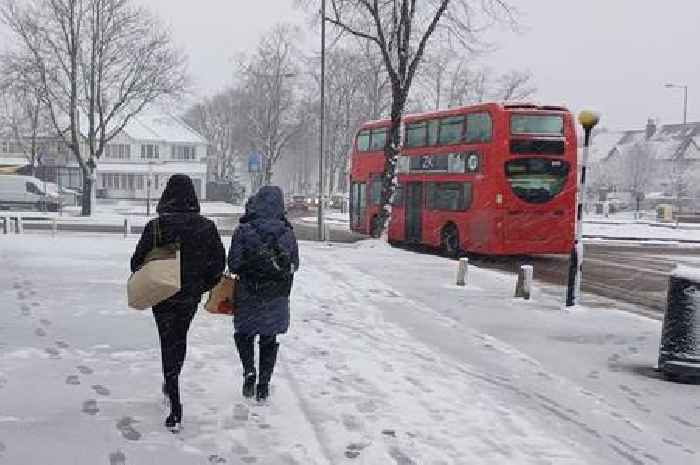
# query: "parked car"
[[68, 196], [27, 192], [297, 204]]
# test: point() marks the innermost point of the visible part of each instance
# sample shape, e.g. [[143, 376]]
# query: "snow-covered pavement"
[[386, 362]]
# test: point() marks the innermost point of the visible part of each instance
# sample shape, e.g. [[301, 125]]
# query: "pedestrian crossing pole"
[[588, 120]]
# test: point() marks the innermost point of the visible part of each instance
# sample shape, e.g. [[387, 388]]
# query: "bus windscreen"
[[551, 125]]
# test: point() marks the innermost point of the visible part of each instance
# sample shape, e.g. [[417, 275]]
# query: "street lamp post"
[[588, 120], [322, 122], [685, 99]]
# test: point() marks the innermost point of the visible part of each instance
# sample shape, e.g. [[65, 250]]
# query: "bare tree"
[[515, 85], [401, 30], [267, 85], [24, 122], [635, 170], [220, 119], [99, 62]]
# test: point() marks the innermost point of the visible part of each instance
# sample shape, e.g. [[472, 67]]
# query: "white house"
[[153, 146]]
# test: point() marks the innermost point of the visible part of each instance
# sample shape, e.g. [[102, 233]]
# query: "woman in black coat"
[[264, 254], [202, 258]]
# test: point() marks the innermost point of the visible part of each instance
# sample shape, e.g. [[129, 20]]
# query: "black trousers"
[[245, 343], [173, 318]]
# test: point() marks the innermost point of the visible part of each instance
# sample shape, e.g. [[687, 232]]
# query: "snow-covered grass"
[[386, 362]]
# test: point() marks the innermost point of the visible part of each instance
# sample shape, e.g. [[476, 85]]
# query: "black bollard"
[[679, 351]]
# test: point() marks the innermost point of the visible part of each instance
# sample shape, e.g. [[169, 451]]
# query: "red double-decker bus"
[[492, 179]]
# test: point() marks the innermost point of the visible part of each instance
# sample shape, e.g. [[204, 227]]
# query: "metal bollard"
[[54, 227], [6, 225], [19, 227], [679, 351], [523, 288], [127, 227], [326, 232], [462, 271]]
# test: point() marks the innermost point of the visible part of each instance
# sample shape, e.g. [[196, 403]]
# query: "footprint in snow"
[[101, 390], [21, 296], [353, 450], [125, 427], [73, 380], [117, 458], [26, 311], [90, 407], [216, 459], [35, 304], [249, 459], [45, 322], [40, 332], [53, 352], [240, 412], [85, 370], [62, 344], [17, 286]]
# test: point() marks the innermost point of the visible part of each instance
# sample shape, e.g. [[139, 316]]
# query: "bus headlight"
[[473, 162]]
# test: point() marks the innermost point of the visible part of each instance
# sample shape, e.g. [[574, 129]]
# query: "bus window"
[[375, 190], [363, 141], [449, 196], [451, 130], [433, 129], [478, 128], [378, 139], [415, 134], [550, 125], [536, 180]]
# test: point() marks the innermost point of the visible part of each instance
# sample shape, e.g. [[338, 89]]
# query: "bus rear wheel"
[[449, 241]]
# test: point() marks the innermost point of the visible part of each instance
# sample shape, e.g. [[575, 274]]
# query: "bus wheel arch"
[[449, 240]]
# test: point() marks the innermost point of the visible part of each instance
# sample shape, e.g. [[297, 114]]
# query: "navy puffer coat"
[[263, 222]]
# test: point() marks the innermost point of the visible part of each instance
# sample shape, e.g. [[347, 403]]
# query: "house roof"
[[603, 143], [670, 141], [155, 125]]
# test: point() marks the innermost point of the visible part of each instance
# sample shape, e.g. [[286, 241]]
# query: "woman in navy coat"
[[264, 254]]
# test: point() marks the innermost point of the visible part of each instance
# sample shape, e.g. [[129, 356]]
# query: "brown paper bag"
[[220, 301], [157, 280]]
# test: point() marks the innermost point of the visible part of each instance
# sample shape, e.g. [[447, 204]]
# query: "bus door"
[[414, 211], [358, 202]]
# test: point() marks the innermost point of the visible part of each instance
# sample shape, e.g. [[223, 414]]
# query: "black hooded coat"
[[202, 254]]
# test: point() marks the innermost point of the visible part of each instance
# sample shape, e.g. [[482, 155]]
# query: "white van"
[[26, 193]]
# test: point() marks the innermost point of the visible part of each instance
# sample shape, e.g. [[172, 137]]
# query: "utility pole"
[[323, 123], [588, 120]]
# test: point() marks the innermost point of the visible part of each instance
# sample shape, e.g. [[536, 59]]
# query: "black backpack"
[[270, 263]]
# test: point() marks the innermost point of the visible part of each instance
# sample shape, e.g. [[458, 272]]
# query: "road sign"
[[254, 162]]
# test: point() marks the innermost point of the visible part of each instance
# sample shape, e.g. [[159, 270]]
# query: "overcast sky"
[[610, 55]]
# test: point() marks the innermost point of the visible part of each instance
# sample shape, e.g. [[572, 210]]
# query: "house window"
[[140, 182], [183, 152], [149, 152], [118, 151]]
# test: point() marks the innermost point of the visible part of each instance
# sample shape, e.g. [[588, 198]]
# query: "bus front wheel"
[[450, 241]]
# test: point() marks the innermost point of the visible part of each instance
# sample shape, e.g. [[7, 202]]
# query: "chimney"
[[651, 128]]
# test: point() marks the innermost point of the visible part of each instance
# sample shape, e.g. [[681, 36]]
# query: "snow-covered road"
[[386, 362]]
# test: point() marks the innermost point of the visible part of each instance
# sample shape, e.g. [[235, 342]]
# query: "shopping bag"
[[159, 277], [220, 301]]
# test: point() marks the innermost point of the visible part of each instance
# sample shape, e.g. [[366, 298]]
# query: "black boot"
[[246, 352], [172, 391], [268, 357], [174, 420]]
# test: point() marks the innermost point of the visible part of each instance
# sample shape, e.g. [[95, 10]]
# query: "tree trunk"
[[391, 152], [87, 193]]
